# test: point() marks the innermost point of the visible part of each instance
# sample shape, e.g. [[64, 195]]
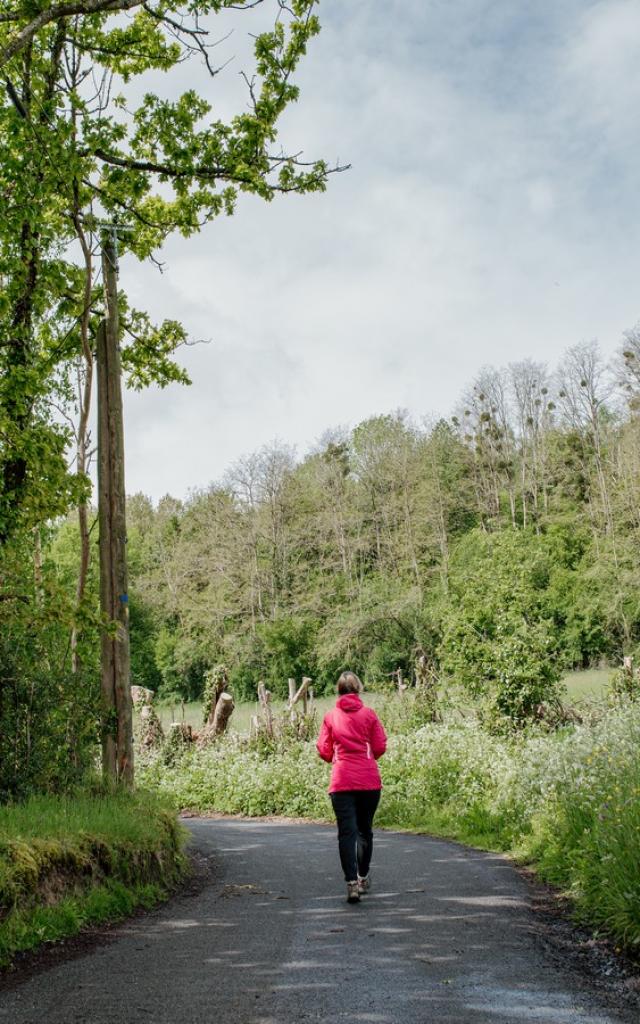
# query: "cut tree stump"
[[140, 695], [222, 714], [180, 734], [151, 731], [218, 722]]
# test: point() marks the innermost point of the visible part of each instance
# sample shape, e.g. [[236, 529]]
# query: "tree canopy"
[[78, 149]]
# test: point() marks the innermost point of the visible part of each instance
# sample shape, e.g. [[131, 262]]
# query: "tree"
[[627, 368], [71, 155], [446, 493], [530, 387], [158, 167], [584, 388]]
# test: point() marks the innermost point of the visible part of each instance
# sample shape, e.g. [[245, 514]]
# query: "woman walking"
[[351, 740]]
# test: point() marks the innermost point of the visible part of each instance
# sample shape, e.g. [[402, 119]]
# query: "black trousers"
[[354, 810]]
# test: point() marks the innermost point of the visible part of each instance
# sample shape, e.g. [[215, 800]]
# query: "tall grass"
[[122, 817]]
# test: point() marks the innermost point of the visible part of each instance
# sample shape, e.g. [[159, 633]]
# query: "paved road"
[[446, 936]]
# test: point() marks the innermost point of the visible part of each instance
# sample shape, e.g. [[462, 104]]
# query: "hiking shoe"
[[364, 884], [353, 892]]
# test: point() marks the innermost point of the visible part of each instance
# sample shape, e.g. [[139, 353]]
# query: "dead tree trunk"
[[222, 714]]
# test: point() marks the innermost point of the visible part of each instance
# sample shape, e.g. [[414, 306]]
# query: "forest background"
[[500, 544], [501, 541]]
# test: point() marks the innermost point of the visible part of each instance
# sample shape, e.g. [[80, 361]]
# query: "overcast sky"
[[492, 213]]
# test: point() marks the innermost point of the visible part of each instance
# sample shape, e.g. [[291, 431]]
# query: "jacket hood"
[[350, 702]]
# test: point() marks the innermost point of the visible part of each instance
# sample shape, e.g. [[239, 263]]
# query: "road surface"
[[447, 935]]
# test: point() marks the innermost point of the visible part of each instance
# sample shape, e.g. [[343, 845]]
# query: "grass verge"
[[70, 861]]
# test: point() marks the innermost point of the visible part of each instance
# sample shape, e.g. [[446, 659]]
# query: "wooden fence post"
[[301, 693], [629, 676], [292, 694], [305, 694], [264, 697]]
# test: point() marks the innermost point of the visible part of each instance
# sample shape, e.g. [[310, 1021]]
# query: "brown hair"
[[349, 683]]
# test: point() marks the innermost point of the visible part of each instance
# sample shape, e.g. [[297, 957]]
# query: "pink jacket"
[[352, 739]]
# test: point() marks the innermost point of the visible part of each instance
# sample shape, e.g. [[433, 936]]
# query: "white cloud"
[[603, 57], [476, 226]]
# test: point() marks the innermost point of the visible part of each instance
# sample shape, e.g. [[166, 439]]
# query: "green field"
[[589, 684], [241, 718]]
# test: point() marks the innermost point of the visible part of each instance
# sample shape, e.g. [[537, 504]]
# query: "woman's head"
[[349, 683]]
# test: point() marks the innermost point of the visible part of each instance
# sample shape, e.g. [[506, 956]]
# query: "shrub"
[[233, 779], [586, 833], [499, 640], [49, 722]]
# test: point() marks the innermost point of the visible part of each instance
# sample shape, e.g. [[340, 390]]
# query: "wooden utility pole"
[[117, 714]]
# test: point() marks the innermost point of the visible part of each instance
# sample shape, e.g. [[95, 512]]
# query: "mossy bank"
[[70, 861]]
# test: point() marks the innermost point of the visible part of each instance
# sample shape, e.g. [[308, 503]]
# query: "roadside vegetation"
[[565, 800], [80, 859]]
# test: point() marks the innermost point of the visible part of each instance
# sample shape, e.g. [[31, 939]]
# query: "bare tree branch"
[[194, 33], [207, 173]]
